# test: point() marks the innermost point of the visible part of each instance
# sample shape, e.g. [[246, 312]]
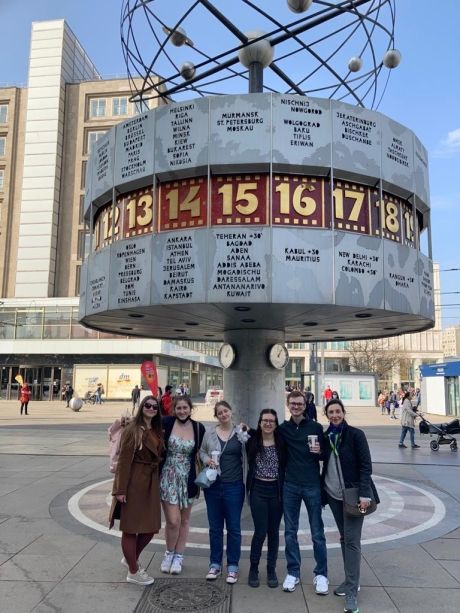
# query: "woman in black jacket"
[[182, 438], [347, 464], [266, 463]]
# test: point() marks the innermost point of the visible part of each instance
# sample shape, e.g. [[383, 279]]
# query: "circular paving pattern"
[[404, 510]]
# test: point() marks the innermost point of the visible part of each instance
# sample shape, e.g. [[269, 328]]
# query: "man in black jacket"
[[304, 445]]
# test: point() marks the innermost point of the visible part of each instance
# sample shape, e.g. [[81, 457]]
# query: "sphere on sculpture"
[[299, 6], [355, 64], [76, 404], [187, 70], [392, 58], [259, 51]]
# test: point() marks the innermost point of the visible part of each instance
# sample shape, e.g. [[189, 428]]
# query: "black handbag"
[[351, 503], [350, 497]]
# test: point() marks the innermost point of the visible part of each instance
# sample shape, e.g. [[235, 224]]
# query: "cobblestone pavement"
[[56, 554]]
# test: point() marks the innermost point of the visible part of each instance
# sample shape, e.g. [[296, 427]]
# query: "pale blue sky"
[[423, 92]]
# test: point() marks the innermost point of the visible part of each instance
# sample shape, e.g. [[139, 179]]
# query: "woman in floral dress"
[[182, 436]]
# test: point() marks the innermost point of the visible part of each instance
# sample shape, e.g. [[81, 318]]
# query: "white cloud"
[[449, 146]]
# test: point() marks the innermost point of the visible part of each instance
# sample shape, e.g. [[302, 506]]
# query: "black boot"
[[253, 577], [272, 579]]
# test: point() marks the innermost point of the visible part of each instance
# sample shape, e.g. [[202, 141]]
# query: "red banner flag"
[[149, 371]]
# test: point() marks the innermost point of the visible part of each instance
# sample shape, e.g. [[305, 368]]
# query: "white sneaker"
[[167, 561], [321, 584], [141, 578], [176, 566], [290, 583]]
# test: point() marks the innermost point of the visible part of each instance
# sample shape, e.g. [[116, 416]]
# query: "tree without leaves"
[[370, 356]]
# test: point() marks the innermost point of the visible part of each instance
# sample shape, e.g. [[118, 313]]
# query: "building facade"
[[451, 341], [47, 130]]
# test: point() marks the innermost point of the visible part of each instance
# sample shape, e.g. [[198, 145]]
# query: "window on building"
[[3, 113], [81, 209], [2, 145], [140, 106], [120, 106], [83, 175], [84, 238], [77, 280], [2, 177], [92, 137], [97, 107]]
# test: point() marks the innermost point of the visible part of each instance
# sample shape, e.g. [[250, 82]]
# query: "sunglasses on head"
[[149, 405]]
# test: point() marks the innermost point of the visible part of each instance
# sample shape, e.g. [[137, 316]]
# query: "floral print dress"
[[174, 476]]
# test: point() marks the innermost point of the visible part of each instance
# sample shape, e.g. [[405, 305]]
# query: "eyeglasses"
[[268, 422], [148, 405], [296, 404]]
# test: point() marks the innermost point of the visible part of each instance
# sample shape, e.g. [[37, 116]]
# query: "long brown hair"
[[135, 429]]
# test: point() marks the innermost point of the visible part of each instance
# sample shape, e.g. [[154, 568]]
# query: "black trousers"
[[266, 511], [24, 406]]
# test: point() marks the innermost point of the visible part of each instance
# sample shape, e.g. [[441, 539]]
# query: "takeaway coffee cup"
[[312, 440], [215, 455]]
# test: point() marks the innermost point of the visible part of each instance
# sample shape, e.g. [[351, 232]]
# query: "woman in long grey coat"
[[408, 416], [136, 490]]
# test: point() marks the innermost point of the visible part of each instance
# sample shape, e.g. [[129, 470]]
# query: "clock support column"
[[251, 384]]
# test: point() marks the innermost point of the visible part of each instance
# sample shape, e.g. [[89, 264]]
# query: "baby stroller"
[[443, 432]]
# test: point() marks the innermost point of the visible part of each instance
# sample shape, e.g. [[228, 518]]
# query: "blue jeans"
[[404, 431], [224, 503], [293, 495]]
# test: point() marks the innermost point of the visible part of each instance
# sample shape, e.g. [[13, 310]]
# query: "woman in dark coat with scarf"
[[347, 463]]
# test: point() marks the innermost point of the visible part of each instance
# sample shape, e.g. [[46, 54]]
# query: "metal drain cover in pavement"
[[175, 595]]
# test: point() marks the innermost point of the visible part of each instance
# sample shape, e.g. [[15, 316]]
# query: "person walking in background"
[[381, 402], [183, 437], [136, 491], [68, 393], [24, 397], [347, 463], [304, 445], [408, 416], [327, 394], [166, 401], [99, 392], [310, 407], [266, 452], [224, 449], [135, 397]]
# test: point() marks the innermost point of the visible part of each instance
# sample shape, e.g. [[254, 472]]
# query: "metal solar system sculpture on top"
[[336, 50]]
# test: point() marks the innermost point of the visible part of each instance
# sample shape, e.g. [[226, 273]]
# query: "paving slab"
[[425, 600], [452, 567], [411, 566], [22, 597], [263, 599], [455, 534], [443, 549], [72, 597], [101, 564], [26, 567]]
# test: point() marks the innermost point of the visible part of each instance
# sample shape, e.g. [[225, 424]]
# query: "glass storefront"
[[453, 395]]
